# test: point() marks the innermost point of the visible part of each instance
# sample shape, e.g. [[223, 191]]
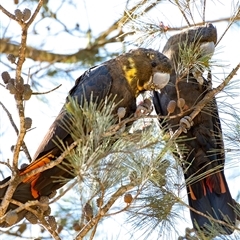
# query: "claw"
[[186, 123]]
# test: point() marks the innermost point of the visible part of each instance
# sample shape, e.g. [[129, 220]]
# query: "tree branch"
[[7, 13], [102, 212], [18, 95], [41, 93]]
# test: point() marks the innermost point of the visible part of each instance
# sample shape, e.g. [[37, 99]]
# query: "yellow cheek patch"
[[130, 71]]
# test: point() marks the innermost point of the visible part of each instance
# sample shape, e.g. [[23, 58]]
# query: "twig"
[[41, 93], [208, 97], [51, 164], [10, 118], [40, 3], [27, 206], [48, 227], [18, 96], [204, 10], [69, 187], [189, 10], [232, 20], [7, 12], [129, 205], [21, 207], [15, 180], [43, 222], [24, 147], [182, 12], [6, 164], [102, 212], [94, 230], [100, 205]]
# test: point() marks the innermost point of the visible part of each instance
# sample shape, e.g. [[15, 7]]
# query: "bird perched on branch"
[[200, 147], [121, 79]]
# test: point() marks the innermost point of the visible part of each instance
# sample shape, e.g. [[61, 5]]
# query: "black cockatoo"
[[200, 148], [123, 78]]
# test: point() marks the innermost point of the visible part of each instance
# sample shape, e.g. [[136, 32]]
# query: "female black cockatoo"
[[122, 79], [200, 146]]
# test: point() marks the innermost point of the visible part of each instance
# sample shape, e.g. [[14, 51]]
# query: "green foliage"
[[88, 123], [102, 163], [191, 58], [152, 212]]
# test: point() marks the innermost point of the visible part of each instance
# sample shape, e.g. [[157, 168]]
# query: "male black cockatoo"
[[122, 79], [200, 146]]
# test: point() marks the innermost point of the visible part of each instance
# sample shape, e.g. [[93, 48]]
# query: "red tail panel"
[[34, 165]]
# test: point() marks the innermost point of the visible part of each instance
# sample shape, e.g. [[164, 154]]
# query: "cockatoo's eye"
[[154, 64]]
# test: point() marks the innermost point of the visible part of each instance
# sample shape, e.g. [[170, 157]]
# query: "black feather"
[[203, 153]]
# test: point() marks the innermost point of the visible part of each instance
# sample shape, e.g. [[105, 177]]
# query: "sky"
[[91, 14]]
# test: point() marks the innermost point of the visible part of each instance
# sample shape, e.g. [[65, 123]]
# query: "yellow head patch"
[[130, 71]]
